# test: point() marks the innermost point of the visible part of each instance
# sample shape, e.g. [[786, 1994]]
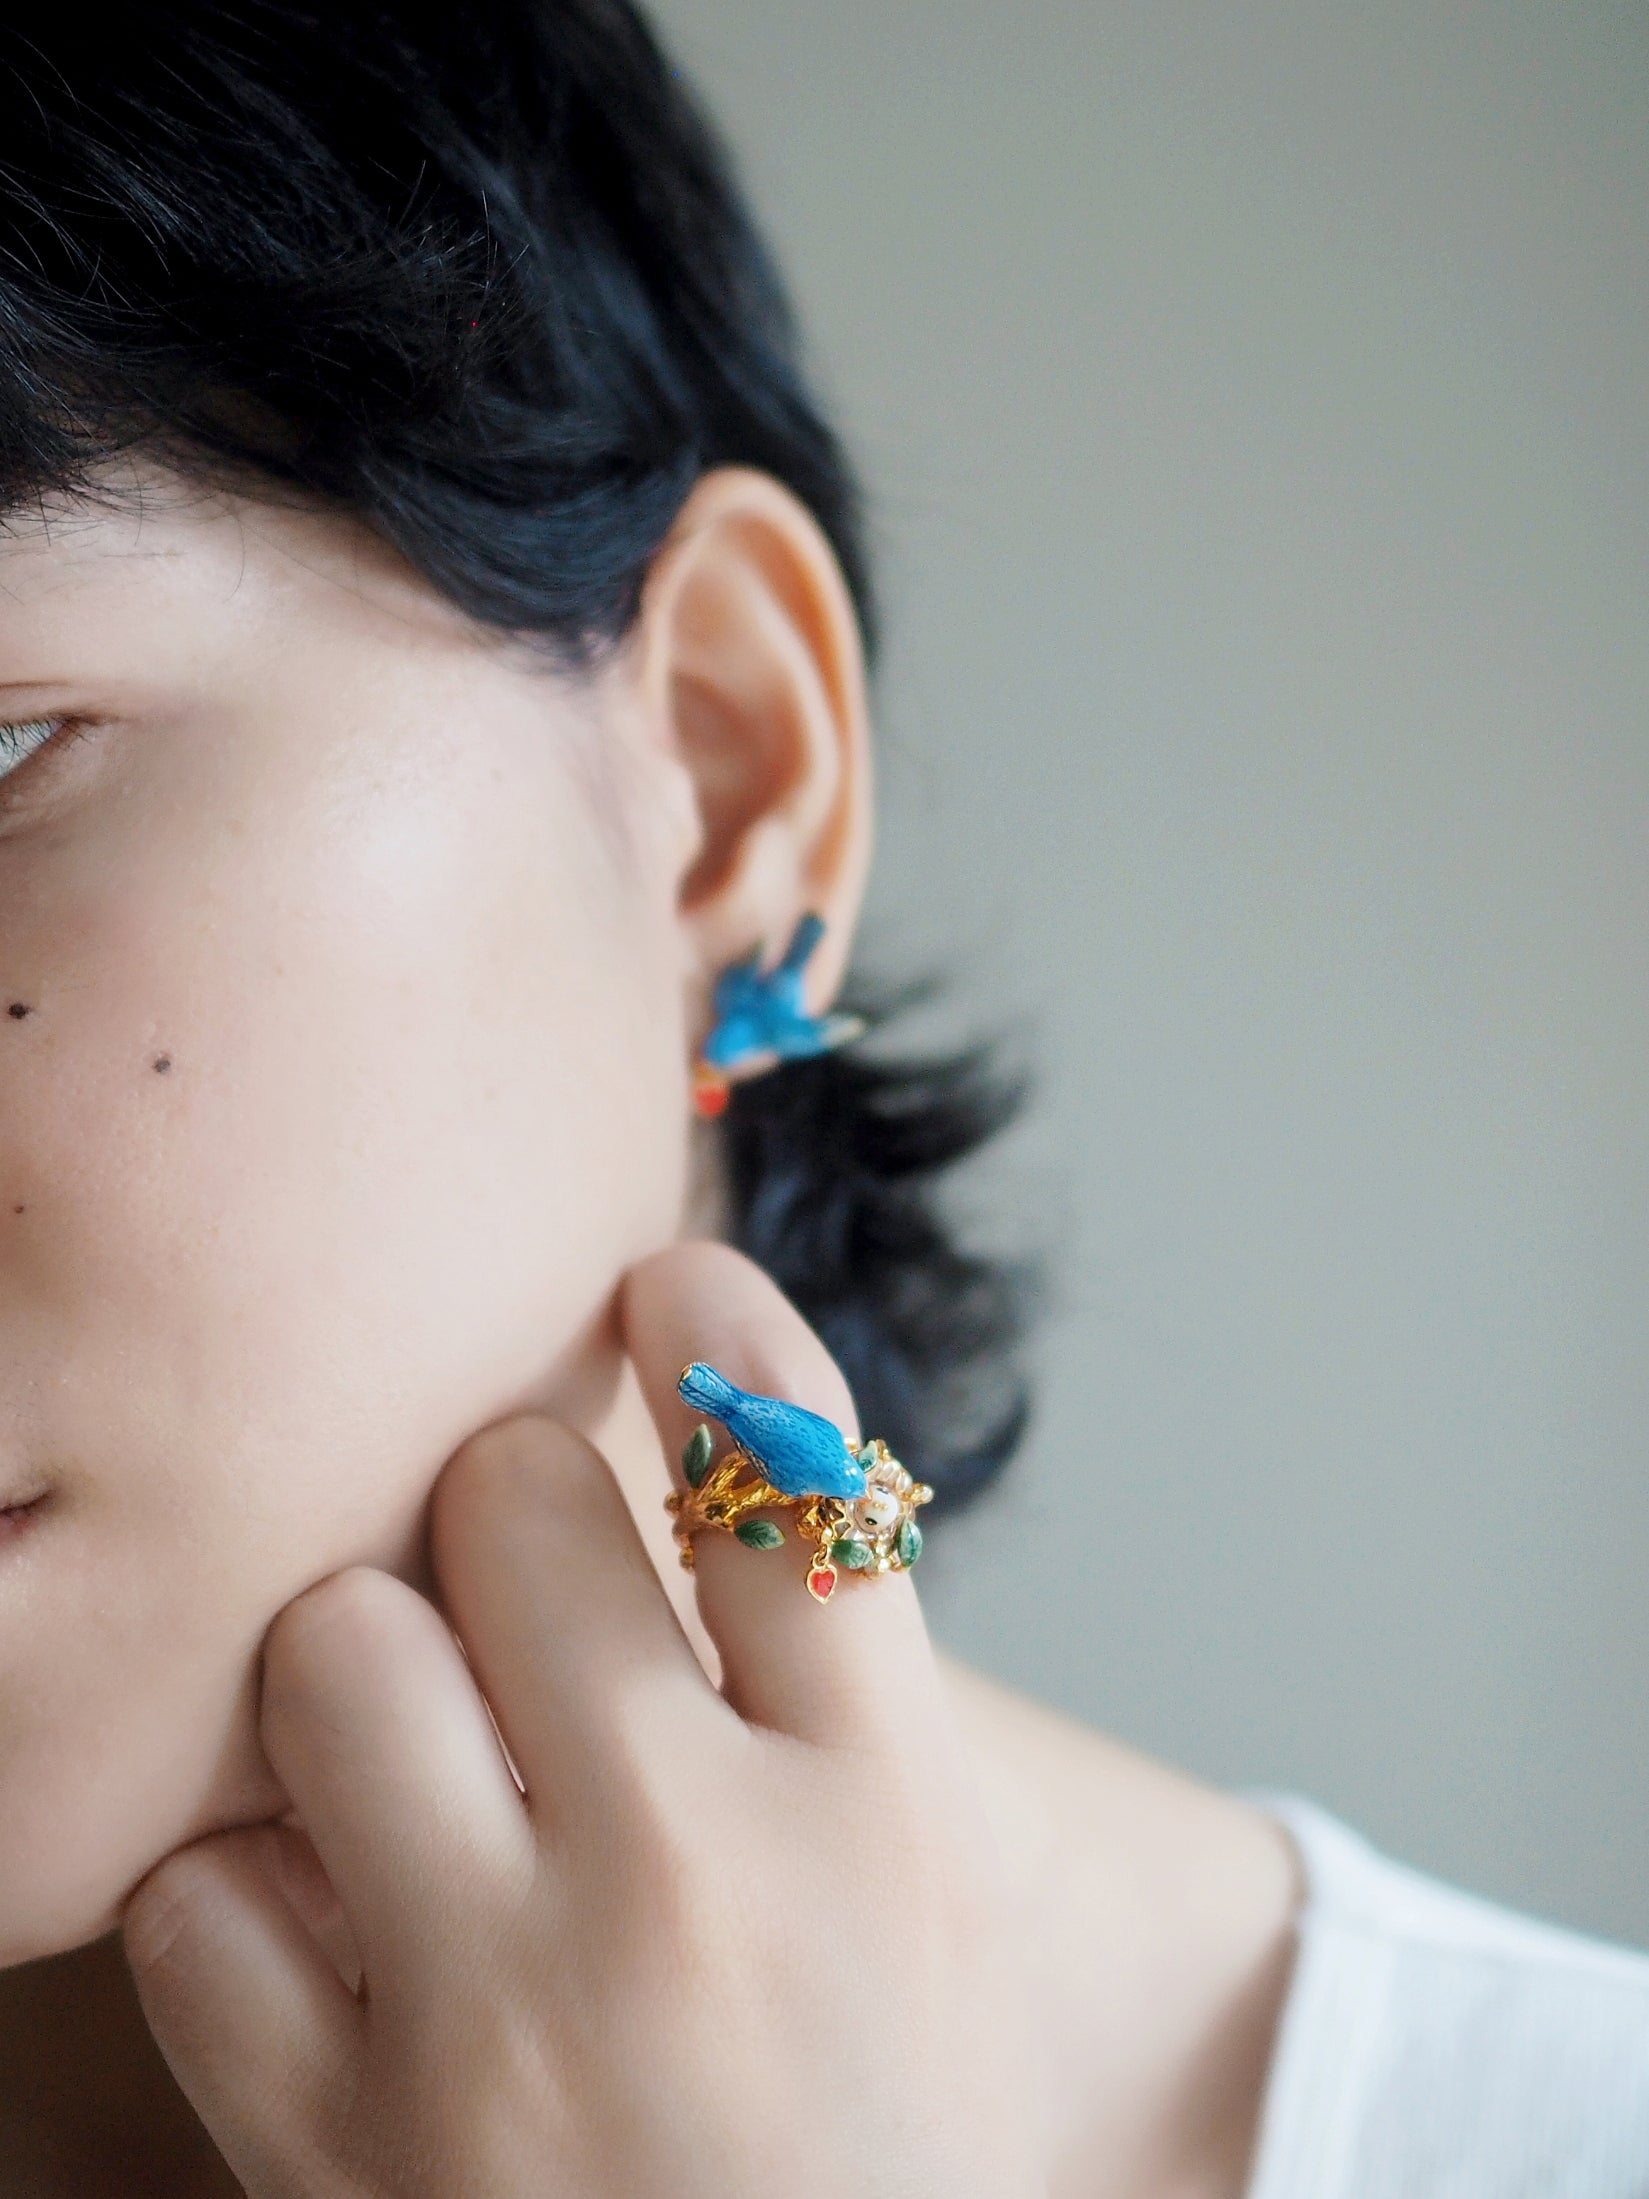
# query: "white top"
[[1434, 2046]]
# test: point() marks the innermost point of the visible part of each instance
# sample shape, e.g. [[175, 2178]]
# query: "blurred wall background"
[[1256, 406]]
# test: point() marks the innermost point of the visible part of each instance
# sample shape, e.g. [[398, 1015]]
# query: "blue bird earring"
[[761, 1020]]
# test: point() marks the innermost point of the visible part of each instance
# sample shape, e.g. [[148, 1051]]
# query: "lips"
[[18, 1516]]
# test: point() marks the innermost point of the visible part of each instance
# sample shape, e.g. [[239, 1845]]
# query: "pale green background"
[[1256, 402]]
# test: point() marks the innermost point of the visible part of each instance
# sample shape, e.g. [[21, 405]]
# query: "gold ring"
[[853, 1503]]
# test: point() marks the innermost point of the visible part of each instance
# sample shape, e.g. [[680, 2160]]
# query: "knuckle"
[[642, 1742], [670, 1910], [648, 1837], [162, 1915], [498, 1448], [527, 1458], [577, 1484], [342, 1616]]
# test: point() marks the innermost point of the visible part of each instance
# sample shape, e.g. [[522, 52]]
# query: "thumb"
[[254, 2021]]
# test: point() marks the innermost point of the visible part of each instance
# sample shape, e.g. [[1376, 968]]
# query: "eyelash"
[[12, 731]]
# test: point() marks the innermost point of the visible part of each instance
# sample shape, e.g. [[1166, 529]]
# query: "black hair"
[[482, 277]]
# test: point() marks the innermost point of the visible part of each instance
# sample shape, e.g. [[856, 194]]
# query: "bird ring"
[[856, 1505]]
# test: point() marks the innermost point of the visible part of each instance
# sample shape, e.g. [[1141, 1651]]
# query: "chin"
[[36, 1939], [69, 1862], [52, 1904]]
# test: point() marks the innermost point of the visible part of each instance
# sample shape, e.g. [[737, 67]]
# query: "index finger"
[[832, 1674]]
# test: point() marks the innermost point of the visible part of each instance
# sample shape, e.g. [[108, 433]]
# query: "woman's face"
[[343, 1039]]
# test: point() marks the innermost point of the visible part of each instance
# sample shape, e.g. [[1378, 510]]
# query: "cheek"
[[425, 1101]]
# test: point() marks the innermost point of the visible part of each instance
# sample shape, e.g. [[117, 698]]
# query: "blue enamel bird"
[[761, 1011], [801, 1453]]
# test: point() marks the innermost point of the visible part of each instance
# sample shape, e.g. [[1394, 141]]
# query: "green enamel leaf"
[[759, 1534], [910, 1543], [695, 1460], [867, 1457], [850, 1551]]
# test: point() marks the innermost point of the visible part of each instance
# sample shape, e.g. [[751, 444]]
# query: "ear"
[[751, 669]]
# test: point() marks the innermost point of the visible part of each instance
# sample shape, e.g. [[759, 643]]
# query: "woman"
[[433, 639]]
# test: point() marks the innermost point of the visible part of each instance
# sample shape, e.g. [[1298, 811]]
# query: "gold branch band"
[[876, 1532]]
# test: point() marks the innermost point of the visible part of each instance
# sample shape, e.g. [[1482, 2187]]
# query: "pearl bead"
[[879, 1511]]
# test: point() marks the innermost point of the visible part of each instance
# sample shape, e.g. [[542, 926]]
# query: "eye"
[[19, 740], [22, 739]]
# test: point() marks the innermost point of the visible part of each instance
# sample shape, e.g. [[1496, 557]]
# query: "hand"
[[740, 1945]]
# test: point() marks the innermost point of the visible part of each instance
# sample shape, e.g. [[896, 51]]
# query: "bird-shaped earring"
[[761, 1020]]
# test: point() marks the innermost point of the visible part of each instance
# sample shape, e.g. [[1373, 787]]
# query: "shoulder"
[[1433, 2041]]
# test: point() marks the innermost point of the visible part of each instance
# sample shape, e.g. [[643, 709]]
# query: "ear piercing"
[[760, 1019]]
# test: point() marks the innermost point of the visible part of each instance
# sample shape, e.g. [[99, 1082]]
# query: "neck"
[[1157, 1916]]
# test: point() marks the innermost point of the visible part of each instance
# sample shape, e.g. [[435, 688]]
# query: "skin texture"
[[401, 911], [364, 958]]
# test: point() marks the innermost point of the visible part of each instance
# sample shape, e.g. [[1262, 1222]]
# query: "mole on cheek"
[[19, 1009]]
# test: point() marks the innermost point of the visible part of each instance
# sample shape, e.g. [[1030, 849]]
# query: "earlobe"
[[753, 671]]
